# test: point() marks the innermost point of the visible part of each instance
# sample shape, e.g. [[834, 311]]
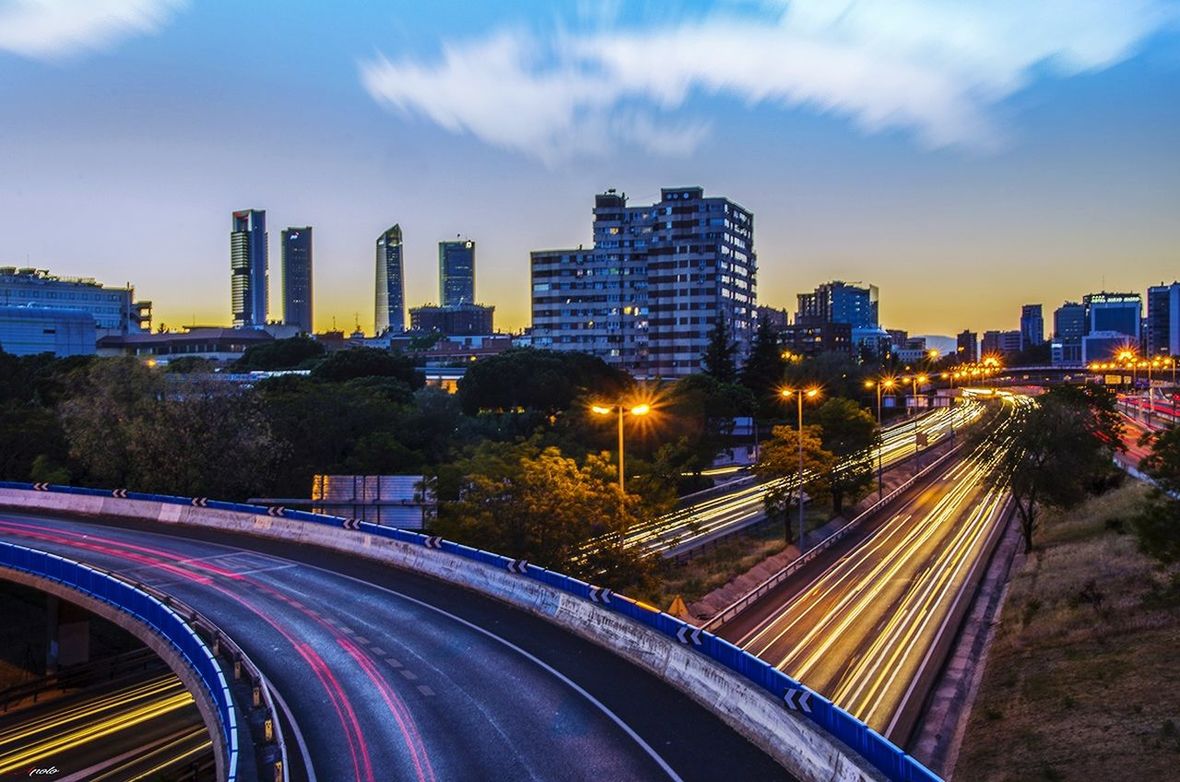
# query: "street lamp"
[[799, 393], [887, 384], [620, 408]]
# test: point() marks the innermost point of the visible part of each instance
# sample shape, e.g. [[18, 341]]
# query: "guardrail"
[[731, 611], [802, 701], [149, 610]]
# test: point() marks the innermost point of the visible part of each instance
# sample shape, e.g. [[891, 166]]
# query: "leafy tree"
[[544, 381], [1062, 448], [1162, 463], [779, 462], [849, 432], [1157, 526], [356, 363], [764, 369], [718, 360], [293, 353], [32, 444], [186, 365], [701, 409]]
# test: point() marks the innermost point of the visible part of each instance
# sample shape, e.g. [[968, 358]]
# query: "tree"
[[1157, 526], [763, 371], [849, 432], [292, 353], [779, 464], [1061, 450], [702, 409], [718, 359], [542, 381], [356, 363], [1162, 463]]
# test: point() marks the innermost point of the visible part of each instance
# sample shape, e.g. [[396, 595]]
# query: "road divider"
[[819, 742]]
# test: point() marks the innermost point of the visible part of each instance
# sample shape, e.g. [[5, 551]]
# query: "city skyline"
[[1050, 161]]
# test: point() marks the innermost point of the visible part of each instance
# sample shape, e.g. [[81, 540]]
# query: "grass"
[[1083, 679]]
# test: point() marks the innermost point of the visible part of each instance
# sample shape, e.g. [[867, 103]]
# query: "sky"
[[965, 157]]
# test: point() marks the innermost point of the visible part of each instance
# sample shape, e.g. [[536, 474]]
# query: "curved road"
[[390, 675]]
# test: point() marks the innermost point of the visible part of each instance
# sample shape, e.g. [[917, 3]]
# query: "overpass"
[[431, 669]]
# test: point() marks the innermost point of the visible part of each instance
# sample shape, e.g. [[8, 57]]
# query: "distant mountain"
[[940, 343]]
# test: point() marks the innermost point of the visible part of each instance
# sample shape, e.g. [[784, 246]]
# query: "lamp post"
[[887, 384], [621, 408], [799, 393]]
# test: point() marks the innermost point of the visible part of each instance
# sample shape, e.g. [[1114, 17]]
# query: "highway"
[[713, 518], [859, 631], [138, 729], [387, 675]]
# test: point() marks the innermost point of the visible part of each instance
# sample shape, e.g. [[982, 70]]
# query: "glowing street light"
[[620, 408], [810, 393]]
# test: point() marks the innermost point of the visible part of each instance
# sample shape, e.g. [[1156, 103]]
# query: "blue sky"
[[966, 157]]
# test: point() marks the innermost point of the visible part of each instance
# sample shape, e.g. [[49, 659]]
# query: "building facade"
[[1069, 326], [967, 347], [811, 339], [1163, 320], [390, 309], [1032, 325], [1120, 313], [249, 268], [297, 278], [30, 330], [456, 320], [840, 302], [456, 272], [114, 310], [656, 284]]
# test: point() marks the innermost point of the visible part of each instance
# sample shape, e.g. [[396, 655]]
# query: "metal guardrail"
[[146, 608], [885, 756], [731, 611]]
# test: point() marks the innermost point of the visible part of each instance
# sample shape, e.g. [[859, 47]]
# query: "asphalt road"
[[858, 630], [390, 675]]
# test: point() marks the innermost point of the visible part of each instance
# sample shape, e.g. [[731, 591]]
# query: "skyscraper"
[[248, 268], [657, 282], [1069, 326], [1032, 325], [1163, 320], [456, 272], [391, 288], [839, 302], [967, 347], [297, 278]]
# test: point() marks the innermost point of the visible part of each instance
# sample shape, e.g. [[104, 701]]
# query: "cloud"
[[52, 29], [934, 68]]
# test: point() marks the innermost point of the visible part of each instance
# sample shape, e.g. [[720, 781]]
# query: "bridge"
[[380, 653]]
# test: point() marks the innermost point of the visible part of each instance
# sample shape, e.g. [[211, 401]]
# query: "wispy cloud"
[[934, 68], [52, 29]]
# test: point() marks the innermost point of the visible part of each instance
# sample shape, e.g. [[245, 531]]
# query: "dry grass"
[[1083, 680]]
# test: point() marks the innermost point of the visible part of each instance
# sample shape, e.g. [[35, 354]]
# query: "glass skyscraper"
[[391, 290], [297, 278], [248, 268], [456, 272]]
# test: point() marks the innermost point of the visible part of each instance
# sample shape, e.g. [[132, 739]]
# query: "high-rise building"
[[1069, 326], [840, 302], [1117, 312], [455, 320], [248, 264], [1163, 320], [967, 347], [391, 287], [297, 266], [114, 310], [659, 279], [456, 272], [1032, 325], [1001, 343]]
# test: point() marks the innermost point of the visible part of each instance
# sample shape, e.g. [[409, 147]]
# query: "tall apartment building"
[[390, 304], [1069, 326], [115, 310], [657, 282], [456, 273], [840, 302], [297, 272], [1163, 320], [1032, 325], [249, 267], [967, 347]]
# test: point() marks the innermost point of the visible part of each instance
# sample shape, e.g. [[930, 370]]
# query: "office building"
[[811, 339], [1032, 325], [456, 320], [456, 272], [967, 347], [839, 302], [208, 342], [657, 282], [390, 313], [897, 338], [1069, 326], [297, 274], [1001, 343], [114, 310], [249, 268], [1120, 313], [31, 330], [1163, 320], [778, 319]]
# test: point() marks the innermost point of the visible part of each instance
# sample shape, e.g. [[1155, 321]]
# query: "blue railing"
[[884, 755], [146, 609]]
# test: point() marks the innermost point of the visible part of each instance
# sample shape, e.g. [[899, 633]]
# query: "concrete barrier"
[[745, 692]]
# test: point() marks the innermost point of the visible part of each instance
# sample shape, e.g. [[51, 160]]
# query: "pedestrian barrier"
[[889, 759], [147, 610]]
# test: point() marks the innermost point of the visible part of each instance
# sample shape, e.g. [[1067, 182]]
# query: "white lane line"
[[409, 674], [396, 663], [278, 696], [602, 707], [422, 688]]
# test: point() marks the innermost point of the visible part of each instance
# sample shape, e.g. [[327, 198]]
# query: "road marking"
[[396, 663], [409, 674], [294, 726], [422, 688], [360, 639], [377, 650]]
